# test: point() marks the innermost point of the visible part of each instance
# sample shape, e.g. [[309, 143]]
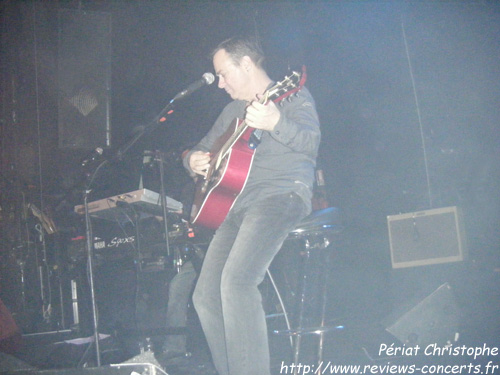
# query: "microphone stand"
[[167, 110], [160, 118], [207, 79]]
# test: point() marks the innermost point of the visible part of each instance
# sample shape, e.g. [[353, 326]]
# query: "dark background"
[[407, 94]]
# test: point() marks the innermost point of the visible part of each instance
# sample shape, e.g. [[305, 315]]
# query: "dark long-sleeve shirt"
[[285, 159]]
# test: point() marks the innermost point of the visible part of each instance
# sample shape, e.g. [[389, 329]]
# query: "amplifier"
[[426, 237]]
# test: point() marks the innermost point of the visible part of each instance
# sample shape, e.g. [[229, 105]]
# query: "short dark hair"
[[237, 48]]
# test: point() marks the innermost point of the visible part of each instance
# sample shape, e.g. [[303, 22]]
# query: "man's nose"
[[221, 83]]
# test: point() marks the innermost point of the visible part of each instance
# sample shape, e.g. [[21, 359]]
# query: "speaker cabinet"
[[84, 79], [426, 237], [435, 319]]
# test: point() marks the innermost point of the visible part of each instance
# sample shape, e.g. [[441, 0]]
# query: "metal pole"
[[90, 264]]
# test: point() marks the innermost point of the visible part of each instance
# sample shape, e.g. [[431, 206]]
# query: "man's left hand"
[[262, 116]]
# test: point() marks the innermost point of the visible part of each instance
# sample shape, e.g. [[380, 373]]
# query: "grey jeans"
[[227, 298], [179, 293]]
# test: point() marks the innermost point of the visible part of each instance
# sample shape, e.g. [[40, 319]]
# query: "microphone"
[[206, 79], [92, 156]]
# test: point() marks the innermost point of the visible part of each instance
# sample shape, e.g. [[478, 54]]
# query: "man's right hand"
[[199, 162]]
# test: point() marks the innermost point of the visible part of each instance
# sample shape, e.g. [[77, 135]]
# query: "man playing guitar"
[[274, 195]]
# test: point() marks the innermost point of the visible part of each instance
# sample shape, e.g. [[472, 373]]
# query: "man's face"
[[232, 77]]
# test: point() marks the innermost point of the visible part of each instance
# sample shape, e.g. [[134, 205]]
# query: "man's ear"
[[247, 63]]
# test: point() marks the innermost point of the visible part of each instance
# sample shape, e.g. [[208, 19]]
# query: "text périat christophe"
[[436, 350]]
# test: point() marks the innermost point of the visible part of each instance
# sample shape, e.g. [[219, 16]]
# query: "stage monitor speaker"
[[433, 320], [84, 79], [426, 237]]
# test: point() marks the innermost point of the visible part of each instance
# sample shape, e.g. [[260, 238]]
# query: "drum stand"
[[316, 231]]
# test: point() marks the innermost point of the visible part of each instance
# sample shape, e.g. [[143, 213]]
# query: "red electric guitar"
[[232, 157]]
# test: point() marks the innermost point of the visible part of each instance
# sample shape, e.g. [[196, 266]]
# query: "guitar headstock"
[[288, 86]]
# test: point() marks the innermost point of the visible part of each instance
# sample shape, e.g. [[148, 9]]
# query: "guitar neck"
[[242, 127]]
